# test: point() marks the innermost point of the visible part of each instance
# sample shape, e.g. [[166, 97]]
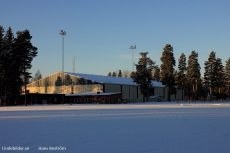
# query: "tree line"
[[16, 55], [215, 82]]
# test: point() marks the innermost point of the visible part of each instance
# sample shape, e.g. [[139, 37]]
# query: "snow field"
[[124, 128]]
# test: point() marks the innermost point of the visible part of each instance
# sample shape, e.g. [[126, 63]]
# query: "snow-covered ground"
[[123, 128]]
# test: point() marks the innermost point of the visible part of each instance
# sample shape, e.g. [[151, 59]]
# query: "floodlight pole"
[[63, 33], [133, 47]]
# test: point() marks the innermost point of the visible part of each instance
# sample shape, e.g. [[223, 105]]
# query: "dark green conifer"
[[119, 73], [167, 69], [58, 82], [156, 74], [109, 74], [210, 72], [26, 52], [114, 74], [143, 74], [1, 62], [180, 78], [227, 76], [220, 78], [8, 65], [68, 80], [193, 75]]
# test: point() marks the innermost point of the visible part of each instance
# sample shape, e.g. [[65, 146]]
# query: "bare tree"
[[125, 73], [38, 75]]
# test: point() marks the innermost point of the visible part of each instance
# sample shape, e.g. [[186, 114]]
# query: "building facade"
[[78, 84]]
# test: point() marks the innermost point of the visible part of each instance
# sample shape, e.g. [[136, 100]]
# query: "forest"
[[213, 84], [16, 55]]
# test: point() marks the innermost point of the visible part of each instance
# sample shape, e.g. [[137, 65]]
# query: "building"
[[90, 87]]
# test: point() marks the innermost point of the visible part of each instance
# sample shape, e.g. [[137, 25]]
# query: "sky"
[[99, 33]]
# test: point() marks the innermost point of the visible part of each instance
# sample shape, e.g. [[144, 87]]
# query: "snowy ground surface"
[[123, 128]]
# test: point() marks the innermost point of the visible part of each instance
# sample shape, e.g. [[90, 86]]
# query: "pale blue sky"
[[100, 32]]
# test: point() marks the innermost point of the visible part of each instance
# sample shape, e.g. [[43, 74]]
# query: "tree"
[[210, 72], [193, 74], [220, 77], [156, 74], [227, 76], [46, 84], [38, 75], [16, 55], [1, 62], [131, 74], [68, 80], [180, 78], [26, 52], [109, 74], [143, 74], [9, 67], [114, 74], [167, 69], [119, 73], [125, 73], [58, 82]]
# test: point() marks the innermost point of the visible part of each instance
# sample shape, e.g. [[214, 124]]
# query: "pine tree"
[[1, 62], [68, 80], [220, 78], [16, 55], [143, 74], [109, 74], [114, 74], [131, 74], [180, 78], [193, 75], [119, 73], [210, 72], [156, 74], [8, 65], [227, 76], [26, 51], [167, 69]]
